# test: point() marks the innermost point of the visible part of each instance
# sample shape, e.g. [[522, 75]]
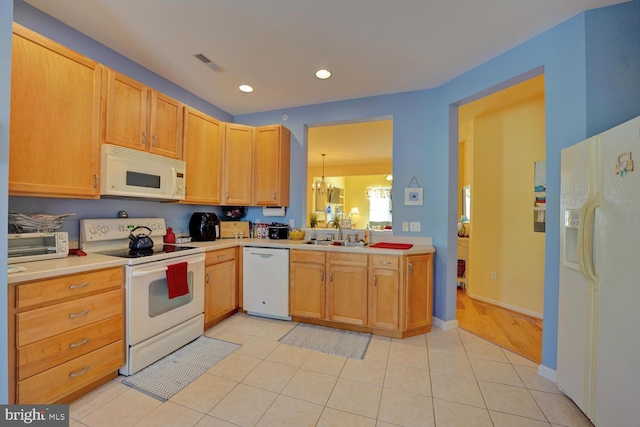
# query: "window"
[[379, 204]]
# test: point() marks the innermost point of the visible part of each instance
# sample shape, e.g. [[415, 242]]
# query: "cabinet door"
[[384, 299], [271, 166], [203, 156], [307, 290], [55, 119], [127, 112], [221, 296], [347, 294], [238, 170], [419, 290], [165, 126]]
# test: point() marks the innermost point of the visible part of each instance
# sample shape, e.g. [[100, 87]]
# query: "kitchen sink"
[[320, 242], [337, 243]]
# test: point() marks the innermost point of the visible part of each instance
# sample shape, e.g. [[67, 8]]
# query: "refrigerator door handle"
[[589, 269], [581, 239]]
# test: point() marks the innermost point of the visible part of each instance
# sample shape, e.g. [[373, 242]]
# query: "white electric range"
[[156, 325]]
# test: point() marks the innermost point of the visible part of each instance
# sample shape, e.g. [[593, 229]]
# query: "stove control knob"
[[93, 229], [104, 229]]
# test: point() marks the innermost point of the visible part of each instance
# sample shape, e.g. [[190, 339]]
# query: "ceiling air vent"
[[206, 61]]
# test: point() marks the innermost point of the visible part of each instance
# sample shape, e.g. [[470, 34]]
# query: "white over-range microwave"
[[138, 174]]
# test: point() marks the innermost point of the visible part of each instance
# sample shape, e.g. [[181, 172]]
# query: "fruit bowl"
[[297, 234]]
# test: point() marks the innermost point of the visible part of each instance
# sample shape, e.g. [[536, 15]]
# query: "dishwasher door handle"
[[262, 255]]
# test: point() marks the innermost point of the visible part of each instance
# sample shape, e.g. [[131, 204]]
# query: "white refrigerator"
[[598, 363]]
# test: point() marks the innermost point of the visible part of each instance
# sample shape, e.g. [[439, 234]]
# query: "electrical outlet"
[[405, 226], [292, 223], [494, 275], [415, 226]]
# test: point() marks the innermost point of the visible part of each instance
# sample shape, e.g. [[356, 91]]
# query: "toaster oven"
[[37, 246]]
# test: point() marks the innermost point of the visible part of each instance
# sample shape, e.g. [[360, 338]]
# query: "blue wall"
[[424, 131], [6, 14], [613, 65]]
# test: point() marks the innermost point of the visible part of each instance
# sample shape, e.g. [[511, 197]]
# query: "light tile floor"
[[443, 378]]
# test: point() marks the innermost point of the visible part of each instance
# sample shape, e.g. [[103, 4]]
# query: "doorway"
[[501, 267]]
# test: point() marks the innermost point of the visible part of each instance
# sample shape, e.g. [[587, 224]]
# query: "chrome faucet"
[[337, 224]]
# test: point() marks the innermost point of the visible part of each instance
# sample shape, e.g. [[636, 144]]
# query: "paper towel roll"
[[273, 211]]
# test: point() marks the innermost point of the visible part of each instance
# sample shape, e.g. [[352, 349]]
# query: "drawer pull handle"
[[375, 280], [82, 313], [80, 372], [385, 262], [410, 268], [208, 277], [221, 256], [322, 276], [78, 344], [81, 285]]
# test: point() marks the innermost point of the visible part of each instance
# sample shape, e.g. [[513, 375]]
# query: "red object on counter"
[[177, 282], [387, 245], [169, 237]]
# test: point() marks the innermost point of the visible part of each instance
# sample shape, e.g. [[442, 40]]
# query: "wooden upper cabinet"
[[140, 118], [237, 165], [271, 166], [54, 140], [203, 140]]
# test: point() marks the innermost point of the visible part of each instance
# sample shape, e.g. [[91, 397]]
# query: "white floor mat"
[[328, 340], [175, 371]]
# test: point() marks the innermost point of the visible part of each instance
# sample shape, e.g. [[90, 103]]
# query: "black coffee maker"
[[204, 226]]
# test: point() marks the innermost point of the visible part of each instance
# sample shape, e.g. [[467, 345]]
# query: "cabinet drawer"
[[41, 323], [50, 352], [55, 383], [313, 257], [223, 255], [342, 258], [389, 262], [60, 288]]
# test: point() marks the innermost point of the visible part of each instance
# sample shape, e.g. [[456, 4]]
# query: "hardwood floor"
[[514, 331]]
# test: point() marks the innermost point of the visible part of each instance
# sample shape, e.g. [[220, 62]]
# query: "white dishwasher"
[[265, 290]]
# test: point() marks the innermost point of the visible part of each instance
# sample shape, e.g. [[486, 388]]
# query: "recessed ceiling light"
[[323, 74], [245, 88]]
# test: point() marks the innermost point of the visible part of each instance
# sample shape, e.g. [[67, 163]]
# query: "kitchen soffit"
[[373, 47]]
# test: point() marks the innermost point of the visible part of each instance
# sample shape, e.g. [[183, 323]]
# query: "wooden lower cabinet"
[[221, 285], [383, 294], [419, 291], [347, 299], [307, 294], [66, 335], [384, 299]]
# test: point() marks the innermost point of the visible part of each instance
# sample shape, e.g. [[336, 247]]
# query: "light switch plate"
[[292, 223], [405, 226], [414, 226]]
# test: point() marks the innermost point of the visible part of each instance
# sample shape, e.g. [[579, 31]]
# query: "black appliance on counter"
[[204, 226], [278, 231]]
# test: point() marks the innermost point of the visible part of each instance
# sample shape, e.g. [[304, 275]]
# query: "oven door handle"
[[141, 273]]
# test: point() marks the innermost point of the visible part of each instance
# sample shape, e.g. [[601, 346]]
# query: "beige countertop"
[[37, 270]]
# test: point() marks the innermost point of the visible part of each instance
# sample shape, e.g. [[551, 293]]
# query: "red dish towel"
[[387, 245], [177, 281]]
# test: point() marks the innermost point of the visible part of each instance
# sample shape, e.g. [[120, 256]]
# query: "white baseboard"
[[443, 324], [507, 306], [547, 373]]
